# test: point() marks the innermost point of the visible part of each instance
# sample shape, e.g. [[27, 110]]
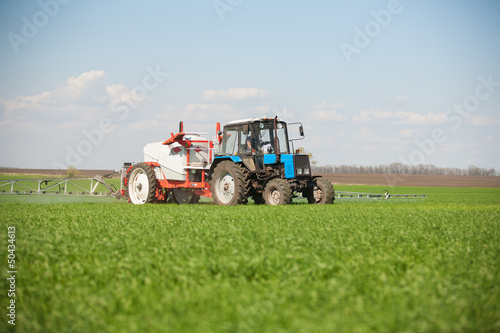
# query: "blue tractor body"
[[253, 160]]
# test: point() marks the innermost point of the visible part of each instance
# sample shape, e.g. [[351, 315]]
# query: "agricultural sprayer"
[[251, 158]]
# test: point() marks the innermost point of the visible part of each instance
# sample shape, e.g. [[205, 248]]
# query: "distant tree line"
[[404, 169]]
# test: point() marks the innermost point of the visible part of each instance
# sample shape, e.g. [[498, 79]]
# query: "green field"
[[412, 266]]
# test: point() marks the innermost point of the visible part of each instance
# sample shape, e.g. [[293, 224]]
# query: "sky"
[[89, 83]]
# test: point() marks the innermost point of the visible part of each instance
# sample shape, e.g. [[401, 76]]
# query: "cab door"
[[248, 148]]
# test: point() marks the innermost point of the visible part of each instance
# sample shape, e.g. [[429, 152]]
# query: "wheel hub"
[[140, 187], [225, 187], [318, 194], [275, 197]]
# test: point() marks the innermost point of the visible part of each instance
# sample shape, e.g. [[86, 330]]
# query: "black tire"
[[184, 196], [228, 184], [196, 199], [258, 199], [141, 185], [323, 192], [277, 192]]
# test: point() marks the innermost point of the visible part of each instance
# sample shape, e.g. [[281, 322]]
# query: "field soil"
[[335, 178]]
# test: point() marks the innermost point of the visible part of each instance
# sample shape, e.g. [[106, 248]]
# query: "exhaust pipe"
[[276, 141]]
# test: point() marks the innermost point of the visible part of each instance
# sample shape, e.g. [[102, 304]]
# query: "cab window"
[[246, 139], [265, 135], [229, 140]]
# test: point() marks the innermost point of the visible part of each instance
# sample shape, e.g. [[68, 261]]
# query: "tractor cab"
[[254, 136], [259, 143]]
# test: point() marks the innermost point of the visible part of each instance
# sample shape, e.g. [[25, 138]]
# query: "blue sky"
[[89, 83]]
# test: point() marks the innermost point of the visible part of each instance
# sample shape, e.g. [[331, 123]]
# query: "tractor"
[[249, 158]]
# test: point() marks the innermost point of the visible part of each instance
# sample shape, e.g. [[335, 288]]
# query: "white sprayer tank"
[[173, 157]]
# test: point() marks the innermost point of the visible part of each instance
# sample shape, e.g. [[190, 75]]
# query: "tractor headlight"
[[299, 171], [306, 171]]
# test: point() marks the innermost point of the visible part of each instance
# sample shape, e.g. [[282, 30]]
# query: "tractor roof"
[[251, 120]]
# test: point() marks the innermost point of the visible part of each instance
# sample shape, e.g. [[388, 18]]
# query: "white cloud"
[[286, 114], [119, 93], [409, 134], [6, 123], [211, 112], [269, 111], [84, 98], [328, 112], [148, 125], [370, 148], [262, 110], [23, 102], [398, 99], [399, 117], [326, 106], [365, 135], [368, 138], [327, 115], [483, 121], [85, 89], [324, 140], [193, 108], [233, 94], [453, 147], [81, 98]]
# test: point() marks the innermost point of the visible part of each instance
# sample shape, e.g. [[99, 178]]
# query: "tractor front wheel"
[[228, 184], [277, 192], [323, 192], [141, 187]]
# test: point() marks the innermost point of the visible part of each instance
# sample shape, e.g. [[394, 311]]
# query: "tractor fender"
[[217, 160], [310, 182]]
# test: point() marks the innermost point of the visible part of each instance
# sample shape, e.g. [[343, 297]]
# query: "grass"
[[413, 266]]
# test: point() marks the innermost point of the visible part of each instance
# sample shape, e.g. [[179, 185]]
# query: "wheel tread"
[[286, 191], [325, 185]]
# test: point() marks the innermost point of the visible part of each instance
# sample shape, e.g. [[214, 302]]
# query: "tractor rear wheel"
[[323, 192], [141, 187], [277, 192], [228, 184]]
